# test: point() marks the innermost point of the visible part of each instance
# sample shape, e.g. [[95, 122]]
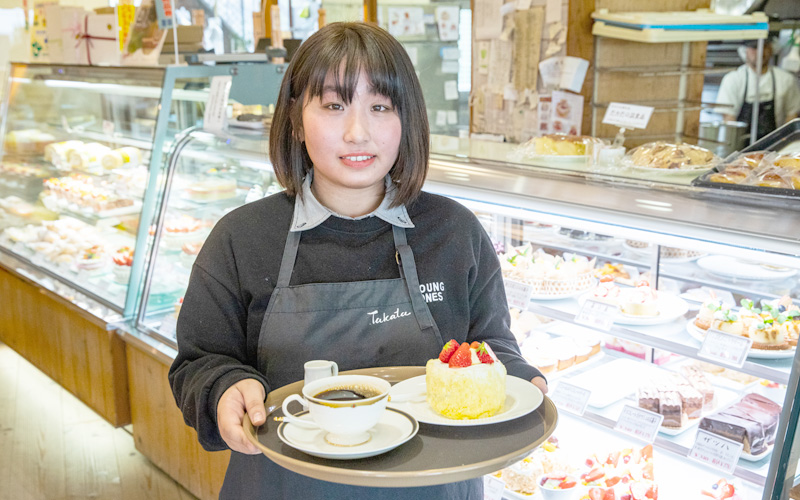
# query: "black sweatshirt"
[[235, 273]]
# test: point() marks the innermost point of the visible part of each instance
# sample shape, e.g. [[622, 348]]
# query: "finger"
[[243, 445], [253, 396], [540, 383]]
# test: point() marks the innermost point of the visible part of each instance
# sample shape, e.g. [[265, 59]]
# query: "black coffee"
[[347, 393]]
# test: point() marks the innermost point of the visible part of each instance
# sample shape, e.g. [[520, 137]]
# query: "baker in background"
[[779, 92]]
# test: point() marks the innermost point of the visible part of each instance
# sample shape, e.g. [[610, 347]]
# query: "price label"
[[628, 115], [639, 423], [108, 128], [518, 294], [716, 451], [164, 14], [215, 114], [725, 348], [493, 488], [571, 398], [597, 314]]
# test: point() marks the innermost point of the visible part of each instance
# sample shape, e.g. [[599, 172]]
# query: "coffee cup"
[[345, 407], [319, 368]]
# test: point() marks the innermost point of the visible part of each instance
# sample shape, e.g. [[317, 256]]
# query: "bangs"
[[344, 60]]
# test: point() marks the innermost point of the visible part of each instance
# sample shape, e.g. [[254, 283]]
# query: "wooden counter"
[[70, 345], [159, 431]]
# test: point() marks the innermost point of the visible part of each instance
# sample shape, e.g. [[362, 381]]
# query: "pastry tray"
[[436, 455], [775, 141]]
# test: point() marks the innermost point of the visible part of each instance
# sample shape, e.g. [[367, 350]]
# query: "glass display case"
[[80, 174], [665, 267]]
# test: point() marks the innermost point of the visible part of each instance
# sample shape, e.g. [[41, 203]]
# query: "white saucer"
[[394, 428], [699, 335], [731, 267], [522, 397]]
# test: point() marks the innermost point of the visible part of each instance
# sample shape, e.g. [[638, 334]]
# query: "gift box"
[[91, 39]]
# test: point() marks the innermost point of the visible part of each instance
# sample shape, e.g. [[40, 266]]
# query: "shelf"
[[650, 71], [671, 337]]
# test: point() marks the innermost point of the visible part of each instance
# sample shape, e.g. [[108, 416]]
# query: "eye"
[[334, 106], [381, 107]]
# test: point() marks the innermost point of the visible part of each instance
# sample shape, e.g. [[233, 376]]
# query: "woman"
[[317, 271]]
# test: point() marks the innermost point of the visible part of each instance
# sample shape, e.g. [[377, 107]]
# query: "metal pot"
[[723, 138]]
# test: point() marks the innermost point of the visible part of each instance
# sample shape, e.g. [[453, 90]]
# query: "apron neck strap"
[[408, 271]]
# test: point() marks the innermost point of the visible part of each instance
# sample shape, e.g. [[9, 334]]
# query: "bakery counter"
[[65, 334], [581, 448], [159, 431]]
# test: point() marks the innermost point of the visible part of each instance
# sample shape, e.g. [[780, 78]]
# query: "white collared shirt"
[[787, 92], [310, 213]]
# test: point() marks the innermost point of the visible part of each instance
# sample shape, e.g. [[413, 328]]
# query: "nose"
[[356, 126]]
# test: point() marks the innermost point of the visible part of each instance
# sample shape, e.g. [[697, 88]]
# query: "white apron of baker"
[[357, 324]]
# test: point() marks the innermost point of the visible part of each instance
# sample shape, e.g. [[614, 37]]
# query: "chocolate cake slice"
[[764, 411], [648, 398], [691, 399], [736, 428], [670, 406], [699, 381]]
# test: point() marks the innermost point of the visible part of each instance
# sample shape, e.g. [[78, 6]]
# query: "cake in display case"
[[83, 151]]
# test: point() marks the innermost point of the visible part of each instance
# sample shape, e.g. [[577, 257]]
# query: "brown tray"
[[436, 455]]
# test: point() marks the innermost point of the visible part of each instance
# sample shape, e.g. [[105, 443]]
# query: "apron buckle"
[[397, 258]]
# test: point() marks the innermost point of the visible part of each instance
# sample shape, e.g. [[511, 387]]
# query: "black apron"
[[766, 109], [357, 324]]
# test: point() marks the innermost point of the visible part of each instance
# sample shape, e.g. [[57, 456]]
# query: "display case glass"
[[612, 289], [83, 150]]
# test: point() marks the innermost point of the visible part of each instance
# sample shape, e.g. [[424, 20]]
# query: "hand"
[[541, 383], [245, 395]]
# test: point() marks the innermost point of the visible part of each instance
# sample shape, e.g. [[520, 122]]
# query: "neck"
[[764, 68], [350, 202]]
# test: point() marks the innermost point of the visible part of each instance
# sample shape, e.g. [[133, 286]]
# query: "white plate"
[[670, 307], [756, 458], [699, 335], [646, 252], [394, 428], [522, 397], [731, 267], [612, 381]]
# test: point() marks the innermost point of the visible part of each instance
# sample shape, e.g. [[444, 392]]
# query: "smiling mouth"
[[358, 158]]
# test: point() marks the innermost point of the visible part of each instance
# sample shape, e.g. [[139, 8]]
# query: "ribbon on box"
[[84, 37]]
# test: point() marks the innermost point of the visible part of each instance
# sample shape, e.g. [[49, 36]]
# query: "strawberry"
[[611, 481], [461, 358], [596, 494], [448, 350], [647, 452], [475, 345], [613, 458], [652, 492], [647, 471], [610, 495], [566, 485], [485, 354], [593, 475]]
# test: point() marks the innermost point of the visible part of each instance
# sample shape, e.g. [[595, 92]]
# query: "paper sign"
[[164, 13], [552, 11], [639, 423], [450, 53], [493, 488], [628, 115], [725, 348], [406, 21], [597, 314], [447, 22], [488, 19], [108, 128], [441, 118], [452, 118], [450, 90], [550, 69], [450, 67], [518, 294], [567, 113], [215, 114], [573, 73], [716, 451], [571, 398]]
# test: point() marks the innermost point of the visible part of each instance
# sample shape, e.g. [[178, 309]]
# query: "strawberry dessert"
[[467, 381], [123, 260]]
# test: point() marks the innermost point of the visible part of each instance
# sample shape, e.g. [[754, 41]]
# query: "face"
[[352, 145], [753, 53]]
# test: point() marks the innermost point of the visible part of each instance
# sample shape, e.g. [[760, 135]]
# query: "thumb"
[[253, 395]]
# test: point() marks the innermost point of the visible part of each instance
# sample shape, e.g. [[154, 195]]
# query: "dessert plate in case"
[[522, 397]]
